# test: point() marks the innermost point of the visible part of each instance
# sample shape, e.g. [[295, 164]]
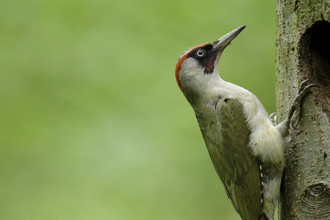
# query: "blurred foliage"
[[92, 123]]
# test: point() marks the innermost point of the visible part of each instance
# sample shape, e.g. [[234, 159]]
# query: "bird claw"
[[303, 85], [273, 117], [294, 121], [296, 106]]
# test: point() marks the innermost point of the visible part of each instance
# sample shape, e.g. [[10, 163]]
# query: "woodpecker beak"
[[225, 40]]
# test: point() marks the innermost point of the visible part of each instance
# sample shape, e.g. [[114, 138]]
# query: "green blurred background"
[[93, 124]]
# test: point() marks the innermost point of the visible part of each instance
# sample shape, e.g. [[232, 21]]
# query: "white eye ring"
[[200, 53]]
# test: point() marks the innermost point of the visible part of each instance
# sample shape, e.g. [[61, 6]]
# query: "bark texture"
[[303, 52]]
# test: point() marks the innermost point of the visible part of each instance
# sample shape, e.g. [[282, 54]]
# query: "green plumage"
[[227, 138]]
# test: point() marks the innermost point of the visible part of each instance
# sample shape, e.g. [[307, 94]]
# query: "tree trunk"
[[303, 52]]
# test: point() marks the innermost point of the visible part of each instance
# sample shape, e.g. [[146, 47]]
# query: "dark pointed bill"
[[223, 41]]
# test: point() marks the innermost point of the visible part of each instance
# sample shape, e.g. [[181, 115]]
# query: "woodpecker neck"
[[200, 88]]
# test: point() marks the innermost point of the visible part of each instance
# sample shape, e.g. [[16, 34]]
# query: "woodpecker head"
[[197, 68]]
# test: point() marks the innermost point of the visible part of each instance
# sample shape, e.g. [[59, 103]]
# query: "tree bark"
[[303, 52]]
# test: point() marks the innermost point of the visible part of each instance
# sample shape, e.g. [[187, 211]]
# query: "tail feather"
[[263, 217]]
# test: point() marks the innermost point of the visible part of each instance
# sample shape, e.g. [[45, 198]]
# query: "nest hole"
[[314, 56]]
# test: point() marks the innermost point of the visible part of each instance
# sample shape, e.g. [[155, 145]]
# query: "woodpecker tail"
[[263, 217]]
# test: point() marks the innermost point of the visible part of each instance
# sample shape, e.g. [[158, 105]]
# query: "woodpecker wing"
[[232, 158]]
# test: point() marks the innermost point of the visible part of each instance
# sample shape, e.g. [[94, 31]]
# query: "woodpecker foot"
[[273, 118], [296, 106]]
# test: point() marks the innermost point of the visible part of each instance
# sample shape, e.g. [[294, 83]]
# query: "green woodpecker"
[[246, 148]]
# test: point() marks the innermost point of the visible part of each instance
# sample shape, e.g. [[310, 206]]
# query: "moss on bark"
[[303, 52]]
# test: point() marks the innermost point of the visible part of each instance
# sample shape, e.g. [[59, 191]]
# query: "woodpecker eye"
[[200, 53]]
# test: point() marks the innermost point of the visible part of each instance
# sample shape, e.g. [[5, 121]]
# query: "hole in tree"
[[314, 56], [320, 40]]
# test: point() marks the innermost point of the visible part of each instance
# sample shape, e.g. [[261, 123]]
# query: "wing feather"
[[227, 140]]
